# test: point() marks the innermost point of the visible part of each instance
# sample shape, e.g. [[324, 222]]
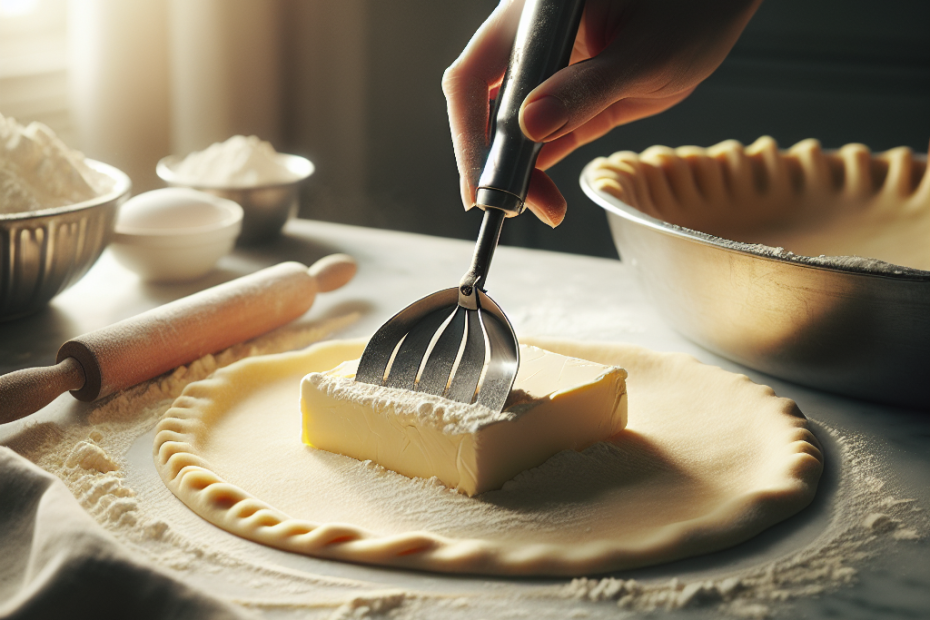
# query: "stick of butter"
[[558, 403]]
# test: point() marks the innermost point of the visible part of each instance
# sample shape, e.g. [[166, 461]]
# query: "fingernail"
[[468, 194], [543, 117], [552, 222], [545, 217]]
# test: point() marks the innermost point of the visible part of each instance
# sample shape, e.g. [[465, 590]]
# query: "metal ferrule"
[[490, 198]]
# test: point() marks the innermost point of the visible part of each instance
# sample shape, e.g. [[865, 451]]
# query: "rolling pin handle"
[[26, 391], [333, 271]]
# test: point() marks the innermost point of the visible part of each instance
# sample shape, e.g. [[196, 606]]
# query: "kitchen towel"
[[57, 562]]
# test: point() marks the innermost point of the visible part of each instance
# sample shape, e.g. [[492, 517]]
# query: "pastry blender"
[[458, 343]]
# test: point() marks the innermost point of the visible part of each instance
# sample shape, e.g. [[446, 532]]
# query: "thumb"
[[574, 96], [652, 55]]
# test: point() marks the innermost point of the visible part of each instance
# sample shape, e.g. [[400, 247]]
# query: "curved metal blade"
[[441, 360], [406, 365], [465, 381], [380, 348], [490, 354], [504, 358]]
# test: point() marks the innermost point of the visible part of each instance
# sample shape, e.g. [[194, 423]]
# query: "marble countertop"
[[545, 294]]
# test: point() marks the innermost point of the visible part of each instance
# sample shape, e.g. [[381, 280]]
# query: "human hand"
[[632, 59]]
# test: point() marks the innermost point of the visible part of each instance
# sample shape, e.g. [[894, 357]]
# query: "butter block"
[[558, 403]]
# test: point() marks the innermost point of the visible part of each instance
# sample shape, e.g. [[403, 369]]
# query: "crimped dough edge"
[[667, 184]]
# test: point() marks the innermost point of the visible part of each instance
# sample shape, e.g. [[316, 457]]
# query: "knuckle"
[[449, 76]]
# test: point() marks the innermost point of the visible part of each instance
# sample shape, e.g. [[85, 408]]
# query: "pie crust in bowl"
[[810, 265]]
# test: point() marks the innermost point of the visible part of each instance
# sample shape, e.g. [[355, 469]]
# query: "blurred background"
[[354, 85]]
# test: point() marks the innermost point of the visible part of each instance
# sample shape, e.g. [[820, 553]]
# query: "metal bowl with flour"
[[42, 253], [853, 323], [267, 206]]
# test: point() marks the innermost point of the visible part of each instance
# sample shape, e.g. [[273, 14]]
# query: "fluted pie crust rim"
[[806, 205]]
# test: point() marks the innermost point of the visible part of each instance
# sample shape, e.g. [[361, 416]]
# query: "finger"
[[545, 200], [467, 84], [636, 63], [559, 106], [467, 102], [620, 113]]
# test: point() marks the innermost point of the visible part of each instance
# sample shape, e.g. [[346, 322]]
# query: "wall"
[[840, 71]]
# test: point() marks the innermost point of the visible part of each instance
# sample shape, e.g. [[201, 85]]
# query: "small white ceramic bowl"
[[175, 234]]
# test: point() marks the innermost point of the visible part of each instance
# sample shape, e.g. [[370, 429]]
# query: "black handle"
[[542, 46]]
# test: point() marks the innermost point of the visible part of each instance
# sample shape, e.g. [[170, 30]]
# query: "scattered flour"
[[92, 461], [369, 606], [826, 564], [38, 171], [239, 162]]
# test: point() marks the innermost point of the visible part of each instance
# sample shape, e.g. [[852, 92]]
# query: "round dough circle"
[[708, 460]]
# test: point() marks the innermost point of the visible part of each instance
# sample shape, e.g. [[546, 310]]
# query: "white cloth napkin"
[[57, 562]]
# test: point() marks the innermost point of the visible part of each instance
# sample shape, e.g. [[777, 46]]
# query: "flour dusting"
[[858, 264], [369, 606], [414, 408], [826, 564]]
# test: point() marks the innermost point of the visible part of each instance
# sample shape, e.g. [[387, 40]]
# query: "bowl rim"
[[234, 214], [213, 237], [165, 171], [867, 267], [122, 186]]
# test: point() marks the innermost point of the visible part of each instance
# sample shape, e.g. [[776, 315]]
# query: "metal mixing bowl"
[[844, 329], [42, 253], [267, 208]]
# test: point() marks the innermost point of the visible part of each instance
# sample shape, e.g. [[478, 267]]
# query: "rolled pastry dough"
[[812, 202], [709, 459]]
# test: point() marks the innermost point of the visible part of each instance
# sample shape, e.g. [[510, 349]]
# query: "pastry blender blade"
[[456, 343]]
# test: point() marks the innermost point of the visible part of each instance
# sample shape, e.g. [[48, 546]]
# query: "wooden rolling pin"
[[142, 347]]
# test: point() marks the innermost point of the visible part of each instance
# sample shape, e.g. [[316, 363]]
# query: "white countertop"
[[545, 294]]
